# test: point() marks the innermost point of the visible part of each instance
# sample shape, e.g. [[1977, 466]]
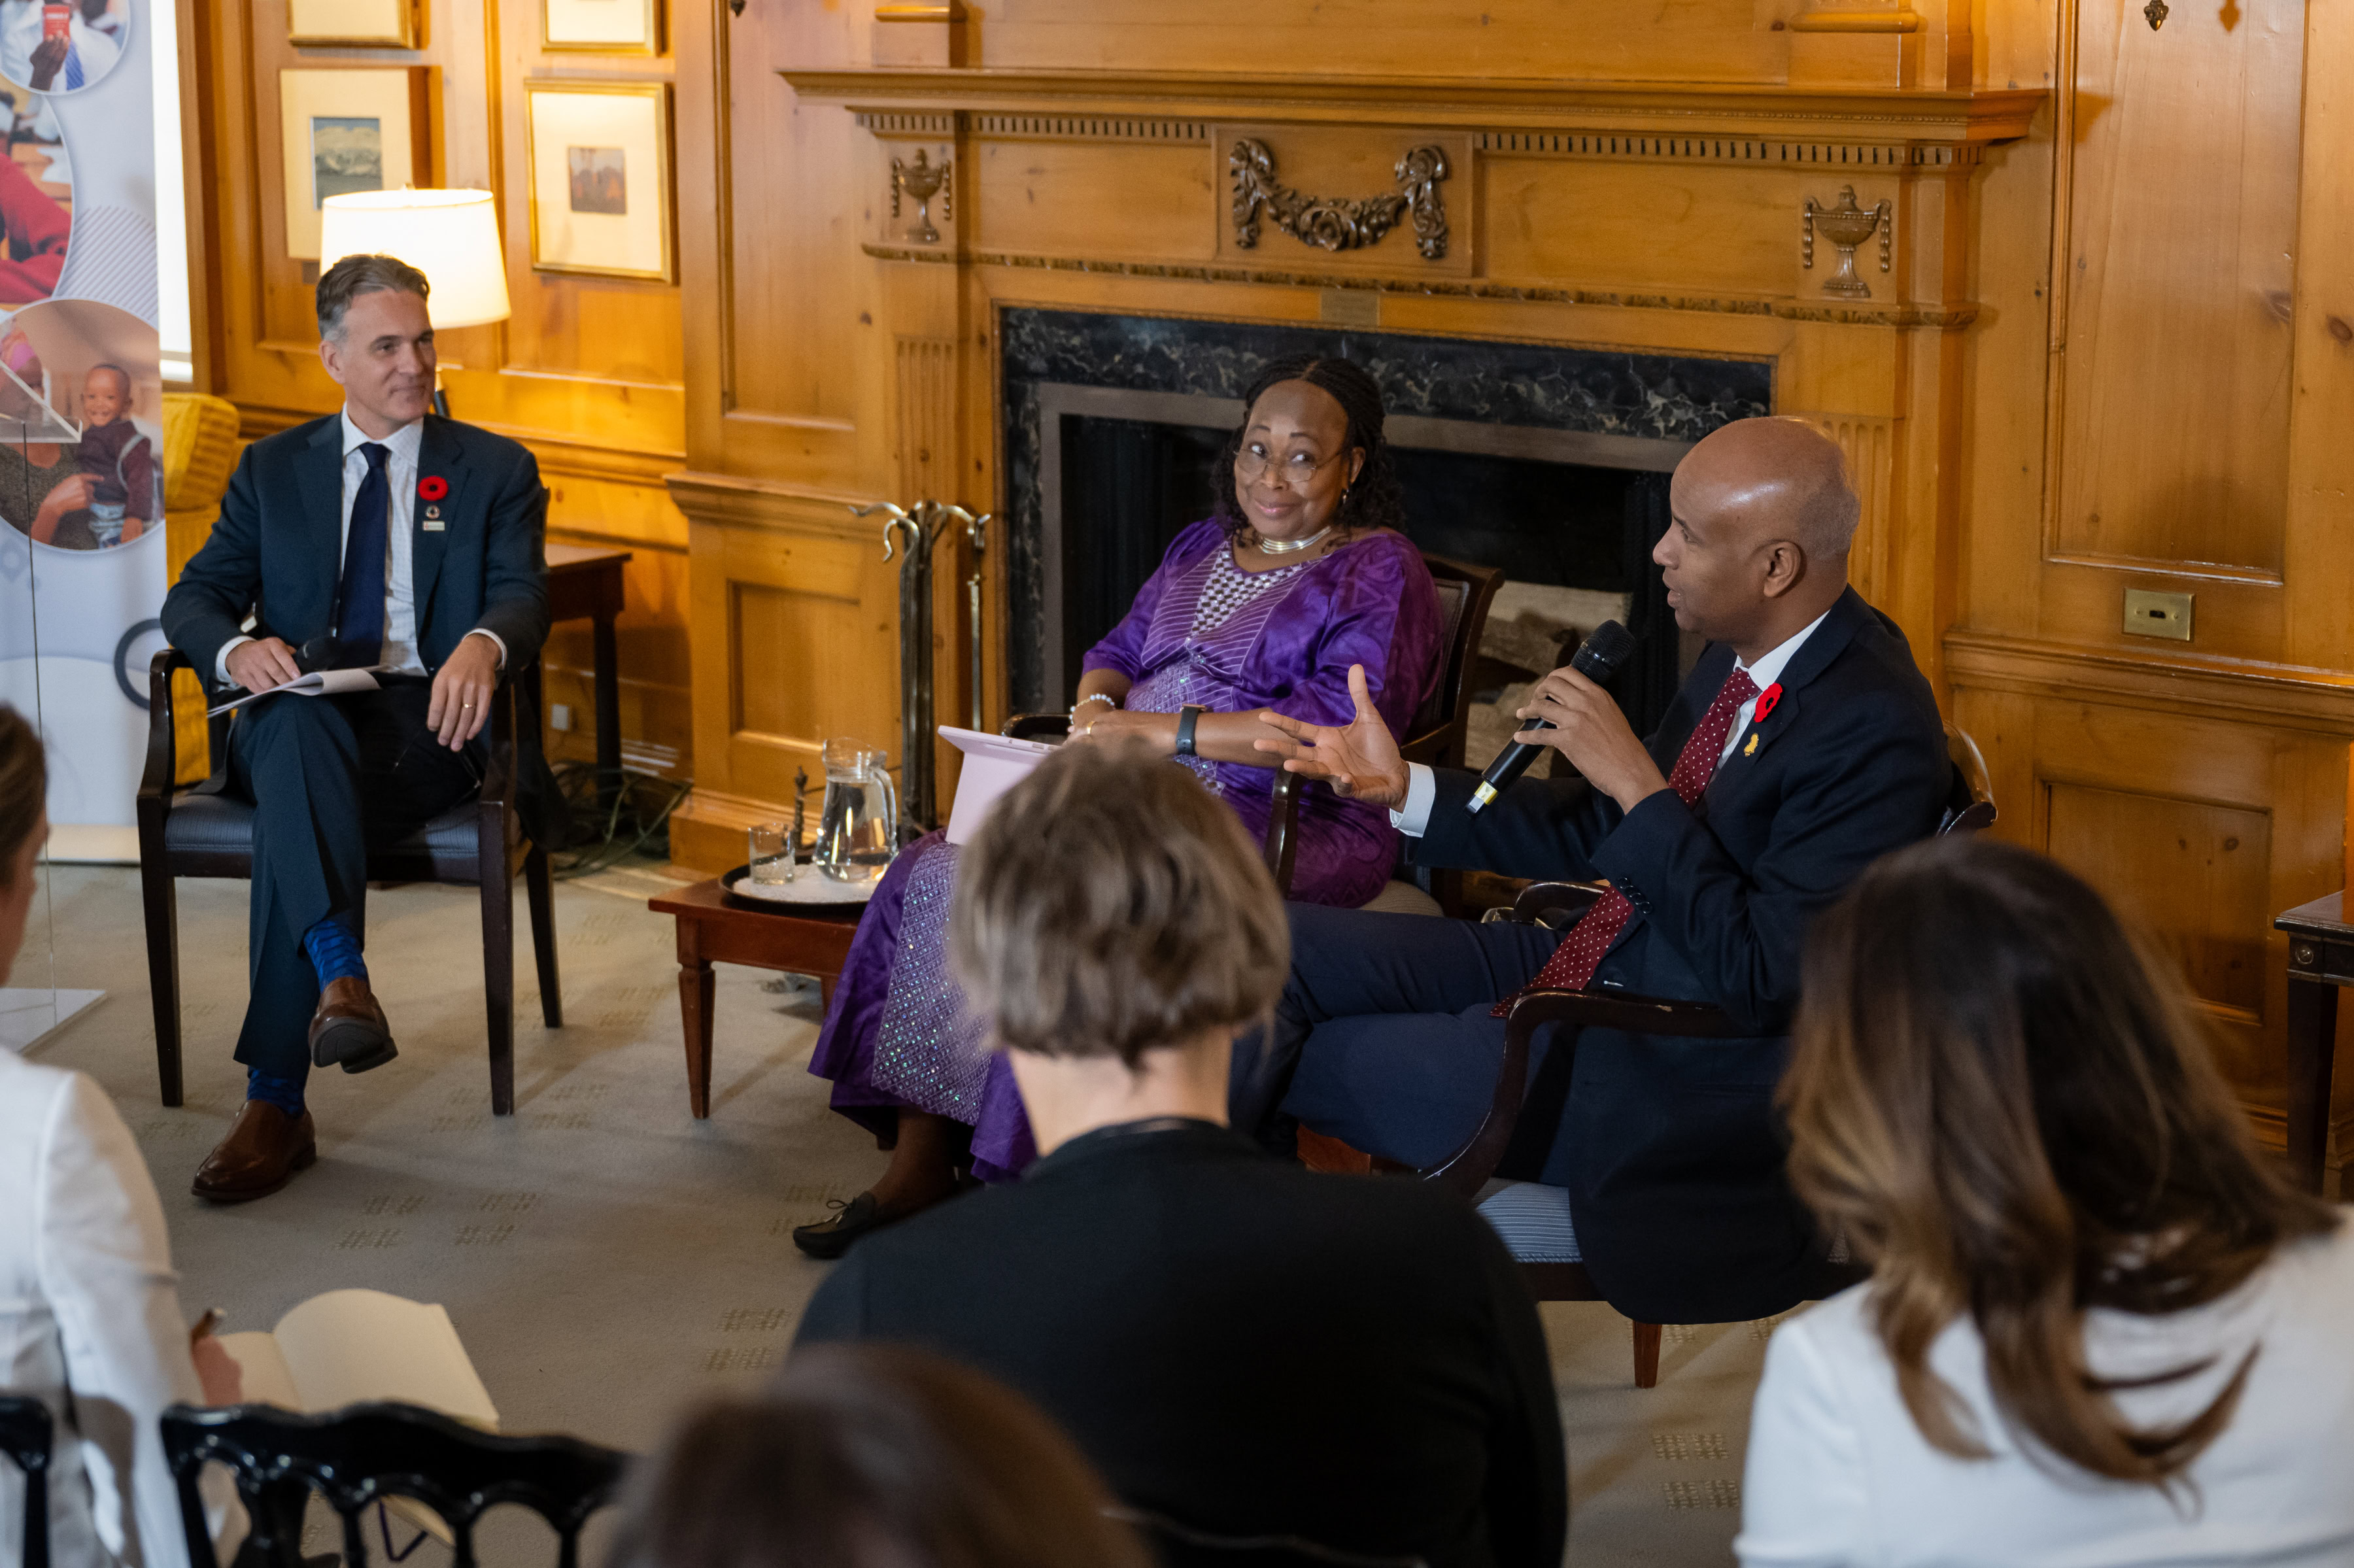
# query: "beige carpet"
[[607, 1257]]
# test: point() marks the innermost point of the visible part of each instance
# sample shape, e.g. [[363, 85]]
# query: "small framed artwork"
[[601, 27], [348, 131], [355, 23], [600, 178]]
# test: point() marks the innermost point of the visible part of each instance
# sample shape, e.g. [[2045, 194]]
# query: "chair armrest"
[[499, 766], [156, 780], [1431, 747], [1036, 726], [1555, 905], [1282, 846], [1468, 1167]]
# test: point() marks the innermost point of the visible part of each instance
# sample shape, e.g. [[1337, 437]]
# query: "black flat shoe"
[[830, 1238]]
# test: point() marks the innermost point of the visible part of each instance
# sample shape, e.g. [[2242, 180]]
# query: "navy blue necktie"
[[359, 601]]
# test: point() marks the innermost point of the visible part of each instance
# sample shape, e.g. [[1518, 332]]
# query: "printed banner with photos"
[[83, 427]]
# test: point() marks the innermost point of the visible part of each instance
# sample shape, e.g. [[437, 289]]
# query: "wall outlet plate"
[[559, 715], [2149, 613]]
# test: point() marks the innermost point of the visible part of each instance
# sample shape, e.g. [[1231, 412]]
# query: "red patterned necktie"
[[1573, 963]]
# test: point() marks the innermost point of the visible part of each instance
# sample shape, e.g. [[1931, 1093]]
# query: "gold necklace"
[[1267, 546]]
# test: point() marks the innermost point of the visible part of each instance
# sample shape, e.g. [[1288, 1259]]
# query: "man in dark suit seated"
[[379, 537], [1245, 1349], [1803, 746]]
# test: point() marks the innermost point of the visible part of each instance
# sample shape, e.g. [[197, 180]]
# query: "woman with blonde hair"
[[2100, 1329]]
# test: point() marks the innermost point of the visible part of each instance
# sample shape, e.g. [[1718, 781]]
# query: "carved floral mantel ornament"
[[1340, 223]]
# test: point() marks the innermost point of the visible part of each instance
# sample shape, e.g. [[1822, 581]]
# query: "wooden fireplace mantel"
[[1695, 109]]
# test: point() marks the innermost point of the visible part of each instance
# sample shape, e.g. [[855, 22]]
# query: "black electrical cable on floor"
[[635, 820]]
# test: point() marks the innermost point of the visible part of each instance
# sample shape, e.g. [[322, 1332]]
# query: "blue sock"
[[286, 1094], [334, 949]]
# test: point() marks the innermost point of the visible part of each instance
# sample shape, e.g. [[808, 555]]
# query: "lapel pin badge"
[[1751, 750], [1766, 699], [430, 490]]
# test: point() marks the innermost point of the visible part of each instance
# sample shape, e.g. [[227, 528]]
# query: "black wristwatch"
[[1187, 716]]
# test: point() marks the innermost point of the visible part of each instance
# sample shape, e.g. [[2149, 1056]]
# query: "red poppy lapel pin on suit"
[[1766, 699], [433, 488]]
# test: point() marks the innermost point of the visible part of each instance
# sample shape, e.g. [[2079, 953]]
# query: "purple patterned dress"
[[1201, 630]]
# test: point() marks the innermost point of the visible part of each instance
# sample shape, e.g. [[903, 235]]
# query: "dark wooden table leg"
[[696, 988], [607, 671], [1647, 1355], [2312, 1045]]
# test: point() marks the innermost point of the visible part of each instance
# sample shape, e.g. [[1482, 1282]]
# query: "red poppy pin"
[[1766, 699], [433, 487]]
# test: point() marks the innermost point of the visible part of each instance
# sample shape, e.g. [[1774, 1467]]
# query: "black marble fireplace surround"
[[1478, 418]]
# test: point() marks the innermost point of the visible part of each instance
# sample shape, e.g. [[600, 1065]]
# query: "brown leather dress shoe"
[[263, 1150], [349, 1029]]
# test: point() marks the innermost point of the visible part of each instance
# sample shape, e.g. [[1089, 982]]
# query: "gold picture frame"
[[355, 23], [348, 129], [598, 160], [601, 27]]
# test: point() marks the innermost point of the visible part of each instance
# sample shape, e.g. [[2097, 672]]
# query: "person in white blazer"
[[2101, 1330], [89, 1309]]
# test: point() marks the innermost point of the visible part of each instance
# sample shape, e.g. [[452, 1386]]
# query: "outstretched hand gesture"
[[1359, 761]]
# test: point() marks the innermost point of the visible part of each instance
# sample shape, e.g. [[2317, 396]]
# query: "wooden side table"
[[585, 584], [2320, 960], [712, 930]]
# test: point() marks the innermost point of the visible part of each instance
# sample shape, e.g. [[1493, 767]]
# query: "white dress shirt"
[[1422, 786], [400, 651], [89, 1321], [1839, 1474]]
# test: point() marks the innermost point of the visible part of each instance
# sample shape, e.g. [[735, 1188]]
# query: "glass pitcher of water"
[[857, 830]]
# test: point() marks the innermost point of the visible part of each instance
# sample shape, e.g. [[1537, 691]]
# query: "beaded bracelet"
[[1090, 697]]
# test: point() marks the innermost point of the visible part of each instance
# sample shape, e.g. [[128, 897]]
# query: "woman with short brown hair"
[[2100, 1327]]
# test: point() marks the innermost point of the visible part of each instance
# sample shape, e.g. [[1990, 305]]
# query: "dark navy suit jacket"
[[1670, 1147], [277, 552]]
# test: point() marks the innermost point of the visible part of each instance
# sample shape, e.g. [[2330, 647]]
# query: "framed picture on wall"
[[605, 26], [348, 131], [600, 178], [355, 23]]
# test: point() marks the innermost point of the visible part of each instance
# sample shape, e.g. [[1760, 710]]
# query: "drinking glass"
[[857, 830], [773, 854]]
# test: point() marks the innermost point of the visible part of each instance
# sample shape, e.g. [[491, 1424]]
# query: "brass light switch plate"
[[2149, 613]]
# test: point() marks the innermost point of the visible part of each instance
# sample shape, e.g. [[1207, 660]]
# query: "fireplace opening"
[[1569, 516], [1548, 460]]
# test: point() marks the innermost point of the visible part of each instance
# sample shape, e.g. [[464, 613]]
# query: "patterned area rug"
[[606, 1257]]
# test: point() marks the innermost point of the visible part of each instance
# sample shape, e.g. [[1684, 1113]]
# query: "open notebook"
[[348, 1346]]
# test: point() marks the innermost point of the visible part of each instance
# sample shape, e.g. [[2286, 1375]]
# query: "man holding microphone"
[[1804, 744]]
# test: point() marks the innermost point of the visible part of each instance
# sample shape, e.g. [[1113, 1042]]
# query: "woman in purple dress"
[[1301, 575]]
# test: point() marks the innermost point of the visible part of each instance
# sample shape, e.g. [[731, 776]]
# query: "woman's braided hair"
[[1373, 499]]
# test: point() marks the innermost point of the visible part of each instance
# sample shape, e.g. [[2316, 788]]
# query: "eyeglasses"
[[1292, 472]]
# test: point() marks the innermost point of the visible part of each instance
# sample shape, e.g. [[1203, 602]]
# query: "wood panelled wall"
[[2111, 348], [589, 372]]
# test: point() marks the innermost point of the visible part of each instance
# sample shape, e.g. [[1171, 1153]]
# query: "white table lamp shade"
[[452, 237]]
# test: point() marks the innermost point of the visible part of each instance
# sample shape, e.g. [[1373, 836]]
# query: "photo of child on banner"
[[75, 368]]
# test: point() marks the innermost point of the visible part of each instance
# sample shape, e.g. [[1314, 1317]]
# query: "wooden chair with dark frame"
[[1534, 1219], [363, 1453], [1436, 735], [199, 832], [27, 1436]]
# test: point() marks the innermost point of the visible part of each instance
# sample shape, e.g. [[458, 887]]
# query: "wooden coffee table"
[[712, 930]]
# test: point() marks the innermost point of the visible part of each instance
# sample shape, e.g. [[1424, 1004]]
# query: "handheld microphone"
[[1597, 659]]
